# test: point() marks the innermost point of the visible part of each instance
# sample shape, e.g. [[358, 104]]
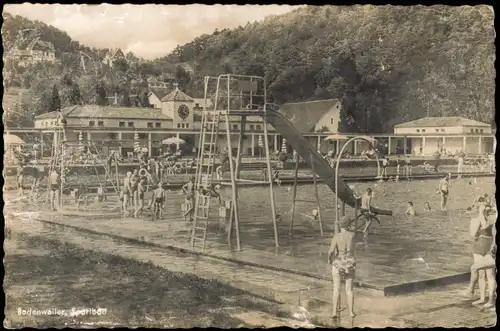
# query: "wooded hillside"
[[388, 64]]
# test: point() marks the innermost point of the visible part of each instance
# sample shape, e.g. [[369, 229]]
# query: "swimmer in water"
[[427, 206], [410, 211]]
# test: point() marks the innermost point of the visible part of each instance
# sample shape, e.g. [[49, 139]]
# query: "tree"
[[54, 103], [124, 98], [145, 99], [100, 93]]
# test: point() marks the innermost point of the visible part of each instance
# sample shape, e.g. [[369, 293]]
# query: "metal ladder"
[[204, 176], [107, 175]]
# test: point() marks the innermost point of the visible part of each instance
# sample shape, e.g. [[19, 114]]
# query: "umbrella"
[[173, 141], [10, 139], [336, 137], [261, 143], [283, 146], [137, 144]]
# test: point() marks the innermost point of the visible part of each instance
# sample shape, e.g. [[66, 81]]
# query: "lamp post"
[[357, 138]]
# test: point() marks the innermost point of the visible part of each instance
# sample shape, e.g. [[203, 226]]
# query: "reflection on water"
[[401, 234]]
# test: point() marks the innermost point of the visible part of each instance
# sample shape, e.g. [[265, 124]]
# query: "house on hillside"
[[135, 100], [155, 96], [37, 50], [114, 55], [446, 135]]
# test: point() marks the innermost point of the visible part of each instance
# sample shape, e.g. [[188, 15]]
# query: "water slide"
[[304, 148]]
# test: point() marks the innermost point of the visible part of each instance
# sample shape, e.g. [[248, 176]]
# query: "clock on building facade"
[[183, 112]]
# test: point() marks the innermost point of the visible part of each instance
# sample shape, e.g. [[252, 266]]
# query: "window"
[[142, 136], [471, 130], [423, 130], [235, 126], [91, 123], [150, 124], [178, 125], [112, 135], [158, 125], [252, 127], [258, 127], [418, 130], [187, 125], [121, 124], [437, 130], [481, 130], [442, 130], [331, 120], [130, 124], [197, 105], [100, 123]]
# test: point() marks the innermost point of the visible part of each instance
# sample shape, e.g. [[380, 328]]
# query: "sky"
[[149, 31]]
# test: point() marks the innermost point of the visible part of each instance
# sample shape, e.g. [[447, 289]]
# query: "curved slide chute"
[[303, 147]]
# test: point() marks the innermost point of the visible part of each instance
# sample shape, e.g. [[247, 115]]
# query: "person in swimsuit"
[[427, 206], [366, 200], [55, 183], [220, 172], [410, 211], [126, 192], [20, 179], [276, 178], [398, 166], [341, 256], [444, 190], [482, 199], [385, 163], [408, 167], [482, 229], [158, 201], [460, 165], [141, 190], [188, 190], [134, 182]]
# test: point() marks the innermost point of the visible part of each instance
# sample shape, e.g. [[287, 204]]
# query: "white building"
[[429, 135]]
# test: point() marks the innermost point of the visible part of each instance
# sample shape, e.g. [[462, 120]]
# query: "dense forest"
[[387, 64]]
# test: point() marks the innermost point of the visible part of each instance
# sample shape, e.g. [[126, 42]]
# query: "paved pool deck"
[[392, 261]]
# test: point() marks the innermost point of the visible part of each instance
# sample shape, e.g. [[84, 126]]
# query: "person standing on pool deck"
[[141, 190], [126, 192], [341, 256], [482, 229], [398, 165], [20, 179], [55, 182], [444, 190], [158, 200], [134, 182], [385, 162], [188, 190], [408, 167], [460, 165]]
